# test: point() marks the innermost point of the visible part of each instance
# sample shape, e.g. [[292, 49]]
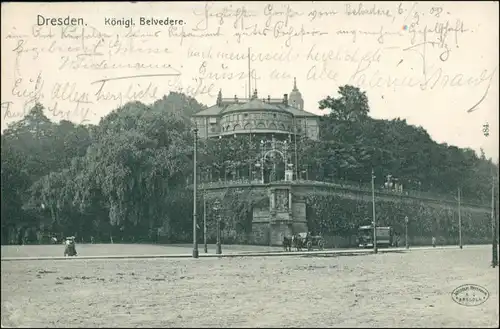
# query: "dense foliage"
[[337, 216], [127, 177], [123, 178]]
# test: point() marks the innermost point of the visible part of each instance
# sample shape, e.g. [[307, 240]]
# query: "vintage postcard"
[[250, 164]]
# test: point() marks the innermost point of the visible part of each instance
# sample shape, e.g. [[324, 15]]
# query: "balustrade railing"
[[342, 184]]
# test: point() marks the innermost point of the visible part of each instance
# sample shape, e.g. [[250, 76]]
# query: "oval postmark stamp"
[[470, 295]]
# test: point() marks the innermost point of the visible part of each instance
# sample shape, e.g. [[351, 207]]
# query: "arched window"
[[237, 127]]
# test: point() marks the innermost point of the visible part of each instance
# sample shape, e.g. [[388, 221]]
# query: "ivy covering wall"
[[337, 216], [236, 211]]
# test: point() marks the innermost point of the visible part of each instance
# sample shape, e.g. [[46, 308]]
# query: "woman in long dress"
[[70, 248]]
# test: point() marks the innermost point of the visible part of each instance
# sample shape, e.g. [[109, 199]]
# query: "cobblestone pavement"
[[411, 289]]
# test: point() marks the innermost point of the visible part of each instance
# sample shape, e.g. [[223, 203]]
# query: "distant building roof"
[[297, 112], [253, 105], [212, 110]]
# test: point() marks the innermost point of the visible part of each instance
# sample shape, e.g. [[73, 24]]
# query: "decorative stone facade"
[[249, 121], [285, 215], [275, 122]]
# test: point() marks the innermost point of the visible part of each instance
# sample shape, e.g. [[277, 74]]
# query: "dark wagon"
[[385, 236], [309, 241]]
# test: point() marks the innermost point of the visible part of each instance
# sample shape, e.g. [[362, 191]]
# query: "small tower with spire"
[[295, 99], [219, 98]]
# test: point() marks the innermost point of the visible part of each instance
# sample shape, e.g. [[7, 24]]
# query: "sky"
[[434, 64]]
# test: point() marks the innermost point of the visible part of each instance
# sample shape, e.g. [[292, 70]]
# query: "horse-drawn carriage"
[[309, 241], [303, 240]]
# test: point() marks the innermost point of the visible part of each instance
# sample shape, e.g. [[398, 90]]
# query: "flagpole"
[[249, 76], [296, 155]]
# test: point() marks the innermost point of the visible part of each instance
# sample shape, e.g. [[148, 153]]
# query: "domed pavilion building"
[[262, 117], [275, 125]]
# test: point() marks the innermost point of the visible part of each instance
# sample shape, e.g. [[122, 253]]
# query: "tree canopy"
[[127, 176]]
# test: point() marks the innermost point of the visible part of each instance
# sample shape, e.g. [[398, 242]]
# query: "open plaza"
[[394, 288]]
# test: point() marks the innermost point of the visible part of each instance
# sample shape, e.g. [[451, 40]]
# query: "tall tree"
[[15, 180], [352, 104]]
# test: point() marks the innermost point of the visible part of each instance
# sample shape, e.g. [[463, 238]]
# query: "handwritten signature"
[[238, 15]]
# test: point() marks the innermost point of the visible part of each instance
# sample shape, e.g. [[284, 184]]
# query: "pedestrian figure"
[[70, 248], [433, 242], [92, 239]]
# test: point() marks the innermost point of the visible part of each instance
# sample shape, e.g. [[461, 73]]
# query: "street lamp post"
[[252, 148], [205, 248], [285, 153], [218, 247], [459, 220], [374, 217], [494, 261], [406, 233], [263, 150], [195, 191]]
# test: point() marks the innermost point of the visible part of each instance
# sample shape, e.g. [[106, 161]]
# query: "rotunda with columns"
[[273, 127], [262, 117]]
